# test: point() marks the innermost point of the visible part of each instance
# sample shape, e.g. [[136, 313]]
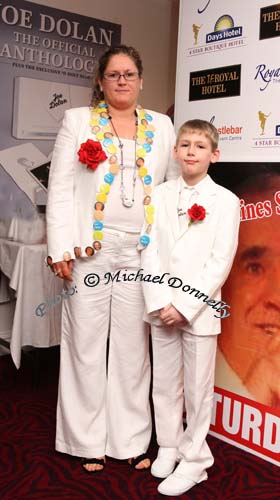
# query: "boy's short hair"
[[200, 126]]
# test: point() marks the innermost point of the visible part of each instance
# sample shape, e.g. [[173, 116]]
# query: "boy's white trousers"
[[105, 411], [183, 368]]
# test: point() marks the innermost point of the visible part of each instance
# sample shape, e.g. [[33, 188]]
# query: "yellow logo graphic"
[[196, 29], [224, 23], [262, 120]]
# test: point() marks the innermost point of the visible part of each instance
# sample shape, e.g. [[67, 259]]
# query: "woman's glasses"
[[115, 76]]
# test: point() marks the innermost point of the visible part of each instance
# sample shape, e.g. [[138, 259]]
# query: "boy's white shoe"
[[164, 463], [177, 483]]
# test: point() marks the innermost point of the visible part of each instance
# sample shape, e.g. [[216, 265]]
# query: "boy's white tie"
[[187, 198]]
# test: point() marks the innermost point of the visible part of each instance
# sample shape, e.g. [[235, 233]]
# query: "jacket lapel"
[[206, 197], [171, 204]]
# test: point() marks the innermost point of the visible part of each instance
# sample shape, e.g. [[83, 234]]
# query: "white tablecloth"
[[34, 284]]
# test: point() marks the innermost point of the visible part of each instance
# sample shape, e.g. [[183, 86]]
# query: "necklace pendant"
[[127, 203]]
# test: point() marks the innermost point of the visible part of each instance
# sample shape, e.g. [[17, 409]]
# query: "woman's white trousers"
[[103, 406]]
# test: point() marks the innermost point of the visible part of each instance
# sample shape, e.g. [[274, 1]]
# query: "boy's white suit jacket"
[[72, 186], [200, 255]]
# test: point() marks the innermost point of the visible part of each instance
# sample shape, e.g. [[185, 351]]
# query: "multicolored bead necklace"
[[100, 124], [125, 201]]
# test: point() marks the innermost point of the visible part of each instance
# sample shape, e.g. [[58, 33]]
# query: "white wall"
[[151, 27]]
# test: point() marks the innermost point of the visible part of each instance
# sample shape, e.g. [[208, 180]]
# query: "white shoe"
[[164, 463], [177, 483]]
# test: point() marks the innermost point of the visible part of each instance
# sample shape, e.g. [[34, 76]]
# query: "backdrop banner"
[[47, 58], [228, 73]]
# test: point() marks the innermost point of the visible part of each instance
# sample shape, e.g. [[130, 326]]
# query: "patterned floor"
[[30, 469]]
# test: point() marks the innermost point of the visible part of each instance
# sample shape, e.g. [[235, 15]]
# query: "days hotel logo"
[[224, 29], [226, 36]]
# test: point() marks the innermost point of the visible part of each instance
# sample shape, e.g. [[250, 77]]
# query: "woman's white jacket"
[[72, 186]]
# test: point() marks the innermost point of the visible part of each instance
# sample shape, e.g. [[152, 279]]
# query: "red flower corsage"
[[196, 213], [91, 153]]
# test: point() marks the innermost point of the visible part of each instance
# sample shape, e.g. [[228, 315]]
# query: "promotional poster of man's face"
[[248, 360]]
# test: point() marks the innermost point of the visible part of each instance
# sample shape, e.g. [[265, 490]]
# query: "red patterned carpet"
[[30, 469]]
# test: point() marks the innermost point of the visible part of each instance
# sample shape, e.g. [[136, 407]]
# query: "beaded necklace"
[[100, 126], [125, 201]]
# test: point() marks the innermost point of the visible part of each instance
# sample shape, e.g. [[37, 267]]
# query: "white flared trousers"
[[105, 411], [184, 366]]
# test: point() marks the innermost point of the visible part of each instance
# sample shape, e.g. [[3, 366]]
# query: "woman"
[[105, 162]]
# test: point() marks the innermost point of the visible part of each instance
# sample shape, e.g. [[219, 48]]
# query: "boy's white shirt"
[[200, 254]]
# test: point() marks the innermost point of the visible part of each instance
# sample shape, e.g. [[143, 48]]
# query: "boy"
[[193, 242]]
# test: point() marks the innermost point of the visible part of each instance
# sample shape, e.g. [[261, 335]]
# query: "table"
[[34, 284]]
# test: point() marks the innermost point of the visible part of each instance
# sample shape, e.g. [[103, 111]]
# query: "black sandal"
[[99, 461], [135, 461]]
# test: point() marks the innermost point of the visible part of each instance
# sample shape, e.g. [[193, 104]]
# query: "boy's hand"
[[170, 316]]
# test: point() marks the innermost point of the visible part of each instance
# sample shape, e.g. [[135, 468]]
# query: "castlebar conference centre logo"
[[228, 131], [224, 29]]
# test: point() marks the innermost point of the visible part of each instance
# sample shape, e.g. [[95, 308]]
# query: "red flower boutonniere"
[[196, 213], [91, 153]]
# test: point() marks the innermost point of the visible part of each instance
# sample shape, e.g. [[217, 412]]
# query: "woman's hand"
[[63, 269]]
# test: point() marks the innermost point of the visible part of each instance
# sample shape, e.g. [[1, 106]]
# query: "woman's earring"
[[101, 89]]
